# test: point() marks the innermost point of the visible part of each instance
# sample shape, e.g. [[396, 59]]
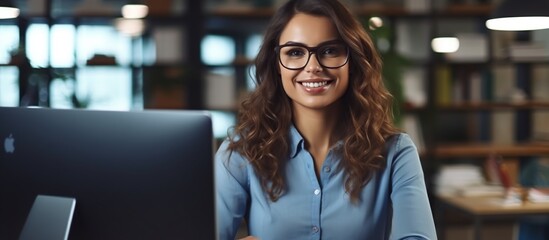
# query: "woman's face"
[[314, 86]]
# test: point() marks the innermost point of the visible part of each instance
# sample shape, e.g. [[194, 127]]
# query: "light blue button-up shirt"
[[394, 203]]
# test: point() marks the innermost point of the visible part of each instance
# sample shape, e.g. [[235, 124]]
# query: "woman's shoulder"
[[225, 148], [402, 155], [399, 141], [231, 169], [226, 154], [399, 147]]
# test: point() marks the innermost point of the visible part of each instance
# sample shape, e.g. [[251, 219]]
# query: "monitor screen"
[[133, 175]]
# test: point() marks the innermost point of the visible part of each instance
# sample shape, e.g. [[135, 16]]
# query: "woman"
[[314, 154]]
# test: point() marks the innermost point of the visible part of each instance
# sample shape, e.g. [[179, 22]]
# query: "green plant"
[[393, 62]]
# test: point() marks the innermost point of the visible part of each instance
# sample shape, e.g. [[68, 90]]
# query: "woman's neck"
[[319, 128]]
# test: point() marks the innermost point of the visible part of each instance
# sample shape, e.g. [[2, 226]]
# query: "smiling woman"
[[314, 153], [313, 83]]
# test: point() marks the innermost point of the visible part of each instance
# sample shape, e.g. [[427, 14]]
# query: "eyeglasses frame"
[[312, 50]]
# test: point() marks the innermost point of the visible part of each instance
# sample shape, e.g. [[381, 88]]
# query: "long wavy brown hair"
[[262, 131]]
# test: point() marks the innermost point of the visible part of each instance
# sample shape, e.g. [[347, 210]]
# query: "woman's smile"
[[315, 86]]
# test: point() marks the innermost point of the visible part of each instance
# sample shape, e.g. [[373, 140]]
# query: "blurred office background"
[[464, 92]]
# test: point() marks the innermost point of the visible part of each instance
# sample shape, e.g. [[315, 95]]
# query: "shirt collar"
[[296, 142]]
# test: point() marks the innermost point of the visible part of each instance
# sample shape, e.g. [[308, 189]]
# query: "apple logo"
[[9, 144]]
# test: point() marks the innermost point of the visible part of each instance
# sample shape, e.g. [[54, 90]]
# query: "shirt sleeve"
[[232, 191], [412, 216]]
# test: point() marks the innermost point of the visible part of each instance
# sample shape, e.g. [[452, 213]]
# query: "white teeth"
[[314, 84]]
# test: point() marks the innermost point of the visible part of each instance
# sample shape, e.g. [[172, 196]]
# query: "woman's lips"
[[315, 86]]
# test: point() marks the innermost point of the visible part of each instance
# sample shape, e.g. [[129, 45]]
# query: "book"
[[540, 88], [473, 47], [415, 87], [503, 127], [482, 190], [475, 87], [504, 79], [500, 40], [220, 90], [169, 42], [412, 127], [540, 85], [528, 51], [491, 169], [500, 171], [443, 86], [461, 179], [411, 38], [538, 195]]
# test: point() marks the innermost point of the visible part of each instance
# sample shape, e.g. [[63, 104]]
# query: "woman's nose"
[[313, 65]]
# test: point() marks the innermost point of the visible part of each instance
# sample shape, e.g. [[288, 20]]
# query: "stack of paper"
[[528, 51], [452, 179], [482, 190], [538, 195]]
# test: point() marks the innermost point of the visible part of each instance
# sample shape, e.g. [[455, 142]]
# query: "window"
[[38, 42], [217, 50], [62, 45], [93, 87], [9, 86], [222, 121], [9, 42]]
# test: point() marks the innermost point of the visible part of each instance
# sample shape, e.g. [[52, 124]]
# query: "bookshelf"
[[487, 89], [483, 150], [486, 103], [162, 54], [451, 124], [470, 112]]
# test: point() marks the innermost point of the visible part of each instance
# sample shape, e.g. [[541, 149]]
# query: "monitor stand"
[[49, 218]]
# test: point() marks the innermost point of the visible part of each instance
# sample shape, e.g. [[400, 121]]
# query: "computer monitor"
[[134, 175]]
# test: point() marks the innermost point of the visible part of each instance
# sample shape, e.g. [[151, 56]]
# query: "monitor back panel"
[[134, 175]]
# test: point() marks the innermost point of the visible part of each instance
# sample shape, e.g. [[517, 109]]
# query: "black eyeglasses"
[[295, 56]]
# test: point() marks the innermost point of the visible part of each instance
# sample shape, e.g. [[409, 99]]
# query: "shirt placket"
[[317, 192], [316, 196]]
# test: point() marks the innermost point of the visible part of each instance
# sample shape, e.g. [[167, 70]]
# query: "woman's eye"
[[295, 52], [330, 51]]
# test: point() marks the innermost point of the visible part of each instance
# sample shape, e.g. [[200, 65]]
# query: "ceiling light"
[[8, 10], [445, 44], [520, 15], [134, 11]]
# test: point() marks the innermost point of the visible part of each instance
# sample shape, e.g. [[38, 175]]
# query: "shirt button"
[[327, 169], [317, 191], [315, 229]]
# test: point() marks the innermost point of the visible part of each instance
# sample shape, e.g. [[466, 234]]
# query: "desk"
[[481, 208]]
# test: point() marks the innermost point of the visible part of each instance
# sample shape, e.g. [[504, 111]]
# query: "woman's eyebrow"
[[293, 43], [303, 44]]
